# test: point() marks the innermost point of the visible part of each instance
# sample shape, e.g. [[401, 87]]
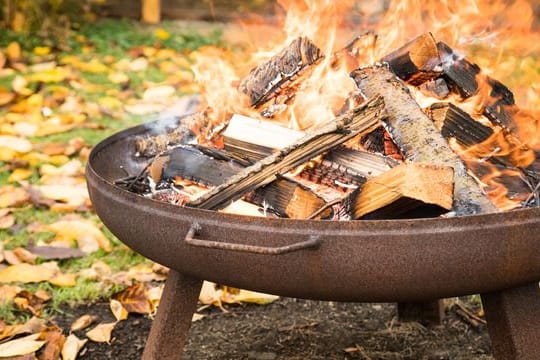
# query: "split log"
[[417, 61], [255, 139], [437, 88], [455, 123], [268, 79], [418, 138], [402, 190], [356, 122], [284, 196]]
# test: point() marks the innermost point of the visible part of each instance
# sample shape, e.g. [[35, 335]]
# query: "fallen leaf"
[[72, 346], [58, 74], [83, 322], [42, 50], [19, 175], [154, 297], [13, 196], [64, 280], [246, 296], [119, 312], [8, 293], [118, 78], [27, 301], [197, 317], [22, 346], [139, 64], [158, 93], [11, 258], [101, 333], [2, 60], [55, 252], [162, 34], [98, 271], [13, 51], [6, 221], [72, 196], [6, 96], [144, 108], [209, 295], [20, 86], [24, 255], [79, 229], [26, 273], [33, 326], [55, 343], [134, 299], [16, 144]]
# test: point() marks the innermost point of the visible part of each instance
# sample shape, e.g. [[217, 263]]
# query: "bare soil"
[[298, 329]]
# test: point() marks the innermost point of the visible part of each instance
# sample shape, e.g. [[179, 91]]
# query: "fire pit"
[[497, 255]]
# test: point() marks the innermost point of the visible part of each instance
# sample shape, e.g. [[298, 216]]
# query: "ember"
[[271, 135]]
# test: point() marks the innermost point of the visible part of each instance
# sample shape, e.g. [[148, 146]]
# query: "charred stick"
[[267, 80], [358, 121], [417, 61], [418, 138]]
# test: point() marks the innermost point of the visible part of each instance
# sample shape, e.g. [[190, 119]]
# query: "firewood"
[[418, 138], [417, 61], [456, 123], [356, 122], [403, 189], [267, 80], [283, 196], [437, 88], [253, 139]]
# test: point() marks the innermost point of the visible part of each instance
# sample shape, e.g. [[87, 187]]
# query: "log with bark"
[[356, 122], [268, 79], [405, 191], [418, 138]]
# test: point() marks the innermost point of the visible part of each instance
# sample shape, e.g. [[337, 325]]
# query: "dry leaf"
[[98, 271], [13, 51], [83, 322], [64, 280], [158, 93], [8, 293], [80, 230], [139, 64], [55, 252], [13, 196], [27, 273], [72, 196], [246, 296], [6, 221], [55, 342], [22, 346], [19, 175], [32, 326], [6, 96], [25, 255], [154, 296], [134, 299], [42, 50], [26, 301], [101, 333], [72, 346], [119, 312], [197, 317], [11, 258], [16, 144], [20, 86], [144, 108], [210, 295]]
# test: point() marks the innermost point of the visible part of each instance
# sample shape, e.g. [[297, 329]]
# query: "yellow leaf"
[[22, 346], [64, 280], [101, 333], [119, 312], [6, 97], [134, 299], [19, 85], [210, 295], [13, 196], [72, 346], [92, 66], [197, 317], [26, 129], [26, 273], [55, 75], [19, 174], [246, 296], [118, 78], [74, 195], [162, 34], [158, 93], [77, 228], [82, 322], [110, 102], [16, 144], [13, 51], [42, 50]]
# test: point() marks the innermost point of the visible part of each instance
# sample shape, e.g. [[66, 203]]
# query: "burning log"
[[402, 190], [417, 61], [418, 138], [268, 79], [356, 122], [284, 196], [437, 88]]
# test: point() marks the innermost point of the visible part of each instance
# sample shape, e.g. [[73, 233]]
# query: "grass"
[[106, 38]]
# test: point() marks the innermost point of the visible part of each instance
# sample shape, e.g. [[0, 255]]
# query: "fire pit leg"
[[513, 318], [173, 320]]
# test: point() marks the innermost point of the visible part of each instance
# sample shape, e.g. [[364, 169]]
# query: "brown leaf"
[[25, 255], [83, 322], [22, 346], [119, 312], [8, 293], [11, 258], [6, 222], [101, 333], [27, 301], [135, 299], [55, 252], [81, 230], [32, 326], [13, 196], [55, 342], [72, 346]]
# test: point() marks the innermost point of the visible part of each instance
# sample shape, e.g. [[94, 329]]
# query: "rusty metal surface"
[[399, 260], [514, 322], [173, 320]]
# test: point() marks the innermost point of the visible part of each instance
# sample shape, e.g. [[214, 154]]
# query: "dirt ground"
[[298, 329]]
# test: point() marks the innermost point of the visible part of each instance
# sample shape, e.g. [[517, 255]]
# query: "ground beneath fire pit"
[[299, 329]]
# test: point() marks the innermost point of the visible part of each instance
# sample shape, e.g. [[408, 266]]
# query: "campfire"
[[315, 132]]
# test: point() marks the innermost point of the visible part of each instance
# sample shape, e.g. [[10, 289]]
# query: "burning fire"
[[499, 35]]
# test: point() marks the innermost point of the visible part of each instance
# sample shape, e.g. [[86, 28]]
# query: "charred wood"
[[437, 88], [418, 138], [459, 71], [417, 61], [356, 122], [268, 79], [402, 191]]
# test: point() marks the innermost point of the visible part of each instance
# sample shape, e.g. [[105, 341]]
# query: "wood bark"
[[269, 78], [403, 189], [418, 138], [417, 61], [358, 121]]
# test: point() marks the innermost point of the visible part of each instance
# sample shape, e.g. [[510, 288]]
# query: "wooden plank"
[[355, 122], [418, 138], [151, 11]]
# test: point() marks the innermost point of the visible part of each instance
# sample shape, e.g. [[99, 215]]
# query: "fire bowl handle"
[[312, 244]]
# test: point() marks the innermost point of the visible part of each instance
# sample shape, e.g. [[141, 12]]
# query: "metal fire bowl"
[[363, 261]]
